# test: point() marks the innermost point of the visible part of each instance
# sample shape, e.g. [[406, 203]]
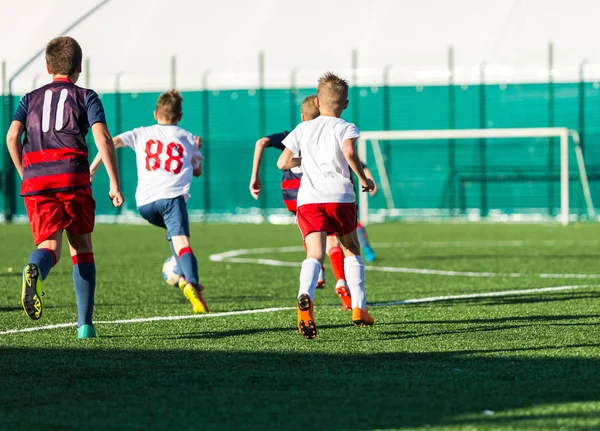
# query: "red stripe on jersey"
[[52, 155], [290, 184], [54, 182], [62, 80], [291, 205]]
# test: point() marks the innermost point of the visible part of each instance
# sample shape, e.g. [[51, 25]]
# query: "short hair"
[[332, 91], [168, 106], [309, 108], [63, 56]]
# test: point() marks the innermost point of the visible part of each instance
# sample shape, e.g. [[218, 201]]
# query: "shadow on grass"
[[94, 388]]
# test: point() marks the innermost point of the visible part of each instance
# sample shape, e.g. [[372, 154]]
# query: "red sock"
[[336, 257]]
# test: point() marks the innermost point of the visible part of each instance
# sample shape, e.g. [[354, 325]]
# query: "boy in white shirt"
[[167, 157], [326, 199]]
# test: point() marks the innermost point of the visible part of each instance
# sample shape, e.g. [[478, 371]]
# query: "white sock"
[[309, 274], [355, 278]]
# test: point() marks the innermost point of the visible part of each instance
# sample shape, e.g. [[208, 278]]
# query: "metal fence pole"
[[5, 122], [550, 171], [10, 185], [174, 71], [482, 141], [387, 116], [582, 106], [206, 141], [293, 93], [118, 129], [262, 120], [451, 125], [355, 89], [581, 93], [87, 74]]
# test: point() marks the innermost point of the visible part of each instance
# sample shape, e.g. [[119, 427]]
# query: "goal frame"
[[421, 135]]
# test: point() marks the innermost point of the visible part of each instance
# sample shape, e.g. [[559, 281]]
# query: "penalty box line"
[[276, 309]]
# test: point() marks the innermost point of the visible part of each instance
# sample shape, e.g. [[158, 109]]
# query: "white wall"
[[138, 38]]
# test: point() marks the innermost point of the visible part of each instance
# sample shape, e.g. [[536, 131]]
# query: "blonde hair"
[[332, 91], [309, 108], [168, 106]]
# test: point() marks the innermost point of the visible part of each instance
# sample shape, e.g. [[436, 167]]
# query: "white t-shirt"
[[326, 174], [166, 156]]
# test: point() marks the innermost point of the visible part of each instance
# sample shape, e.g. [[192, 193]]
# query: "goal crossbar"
[[540, 132]]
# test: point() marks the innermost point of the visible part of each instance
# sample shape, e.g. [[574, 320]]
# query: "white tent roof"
[[137, 39]]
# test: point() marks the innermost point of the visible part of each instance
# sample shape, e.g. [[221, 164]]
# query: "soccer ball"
[[170, 272]]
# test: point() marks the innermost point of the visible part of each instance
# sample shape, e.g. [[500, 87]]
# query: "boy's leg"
[[355, 277], [313, 223], [336, 257], [174, 212], [46, 219], [315, 245], [80, 206], [364, 243], [354, 267], [84, 279]]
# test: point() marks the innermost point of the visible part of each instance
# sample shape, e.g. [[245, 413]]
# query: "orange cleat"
[[342, 291], [306, 321], [362, 317]]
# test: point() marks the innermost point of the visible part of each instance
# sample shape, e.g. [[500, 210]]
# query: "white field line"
[[276, 309], [232, 256], [484, 295]]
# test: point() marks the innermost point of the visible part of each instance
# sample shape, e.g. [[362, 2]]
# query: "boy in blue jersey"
[[52, 162]]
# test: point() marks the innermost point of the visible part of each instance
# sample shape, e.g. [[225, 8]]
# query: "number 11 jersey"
[[166, 156]]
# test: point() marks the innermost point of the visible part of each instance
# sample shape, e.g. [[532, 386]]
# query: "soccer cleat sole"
[[31, 296], [344, 295], [361, 323], [306, 323]]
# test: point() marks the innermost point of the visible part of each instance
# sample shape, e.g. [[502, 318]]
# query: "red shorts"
[[51, 212], [332, 218]]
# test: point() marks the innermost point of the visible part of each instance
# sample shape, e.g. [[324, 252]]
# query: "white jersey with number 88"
[[166, 156]]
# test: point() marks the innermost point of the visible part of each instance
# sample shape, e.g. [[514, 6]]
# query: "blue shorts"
[[170, 214]]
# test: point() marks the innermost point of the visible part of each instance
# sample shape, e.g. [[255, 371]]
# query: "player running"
[[167, 157], [326, 198], [53, 163], [290, 184]]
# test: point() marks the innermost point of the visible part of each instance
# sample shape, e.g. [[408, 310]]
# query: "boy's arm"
[[13, 142], [259, 148], [287, 160], [197, 158], [369, 174], [351, 156], [98, 159], [106, 150]]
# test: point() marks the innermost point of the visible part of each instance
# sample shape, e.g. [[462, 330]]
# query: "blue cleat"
[[369, 254], [86, 331]]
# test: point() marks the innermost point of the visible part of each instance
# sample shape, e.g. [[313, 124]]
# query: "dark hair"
[[63, 56]]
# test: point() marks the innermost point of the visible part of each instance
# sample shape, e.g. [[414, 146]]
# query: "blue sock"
[[84, 279], [179, 270], [45, 259], [189, 265], [362, 236]]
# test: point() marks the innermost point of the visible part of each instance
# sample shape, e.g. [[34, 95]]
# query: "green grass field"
[[520, 360]]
